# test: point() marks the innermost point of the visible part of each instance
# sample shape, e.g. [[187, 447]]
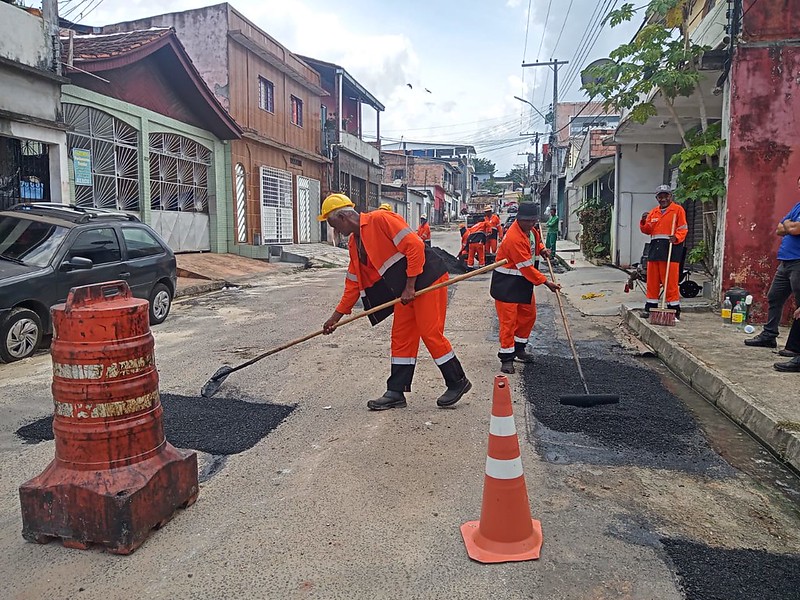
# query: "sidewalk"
[[711, 358]]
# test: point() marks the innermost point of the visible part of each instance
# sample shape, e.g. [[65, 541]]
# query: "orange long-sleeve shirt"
[[516, 248], [424, 232], [359, 277], [658, 225]]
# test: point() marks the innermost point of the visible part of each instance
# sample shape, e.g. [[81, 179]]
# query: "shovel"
[[212, 385]]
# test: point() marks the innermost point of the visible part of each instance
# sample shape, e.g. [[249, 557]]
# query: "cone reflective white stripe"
[[503, 469], [502, 426]]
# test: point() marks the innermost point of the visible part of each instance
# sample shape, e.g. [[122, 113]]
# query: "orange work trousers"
[[491, 246], [516, 324], [421, 319], [478, 250], [656, 273]]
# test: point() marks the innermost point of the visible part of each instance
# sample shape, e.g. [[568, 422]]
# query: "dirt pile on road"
[[454, 266]]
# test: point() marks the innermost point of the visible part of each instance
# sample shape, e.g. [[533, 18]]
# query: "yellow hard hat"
[[332, 203], [385, 206]]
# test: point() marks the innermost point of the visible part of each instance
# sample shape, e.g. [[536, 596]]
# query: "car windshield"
[[29, 242]]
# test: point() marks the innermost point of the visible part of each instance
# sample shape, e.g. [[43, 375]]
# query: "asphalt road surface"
[[307, 494]]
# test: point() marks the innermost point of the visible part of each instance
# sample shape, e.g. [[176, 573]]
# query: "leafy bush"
[[595, 219]]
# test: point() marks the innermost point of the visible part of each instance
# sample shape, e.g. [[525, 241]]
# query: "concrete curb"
[[739, 406], [201, 288]]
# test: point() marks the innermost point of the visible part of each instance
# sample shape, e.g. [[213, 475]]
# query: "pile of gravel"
[[708, 573], [220, 426], [649, 427]]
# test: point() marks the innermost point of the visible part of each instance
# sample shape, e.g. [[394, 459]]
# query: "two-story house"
[[277, 167], [434, 176], [33, 157], [357, 169]]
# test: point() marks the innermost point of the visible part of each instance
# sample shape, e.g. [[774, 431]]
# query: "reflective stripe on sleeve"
[[526, 263], [401, 234], [351, 276]]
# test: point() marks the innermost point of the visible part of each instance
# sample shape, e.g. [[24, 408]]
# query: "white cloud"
[[513, 3]]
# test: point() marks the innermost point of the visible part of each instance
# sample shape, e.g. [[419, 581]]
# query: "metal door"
[[303, 210], [277, 212]]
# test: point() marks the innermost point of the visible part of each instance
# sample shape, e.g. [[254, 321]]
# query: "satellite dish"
[[586, 78]]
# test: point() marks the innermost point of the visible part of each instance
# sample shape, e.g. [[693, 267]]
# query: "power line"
[[590, 25], [564, 26], [589, 46]]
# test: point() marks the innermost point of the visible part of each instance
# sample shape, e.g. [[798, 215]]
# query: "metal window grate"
[[114, 151], [178, 173], [276, 206]]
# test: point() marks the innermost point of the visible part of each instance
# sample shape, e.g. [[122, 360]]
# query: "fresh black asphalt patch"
[[218, 426], [708, 573], [650, 427]]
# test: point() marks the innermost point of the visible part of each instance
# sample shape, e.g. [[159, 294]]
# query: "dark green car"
[[47, 249]]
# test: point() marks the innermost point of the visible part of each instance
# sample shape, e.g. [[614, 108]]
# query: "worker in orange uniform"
[[658, 225], [385, 206], [424, 230], [387, 261], [495, 233], [512, 288], [473, 241]]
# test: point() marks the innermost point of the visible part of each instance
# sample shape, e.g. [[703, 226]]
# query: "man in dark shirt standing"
[[785, 283]]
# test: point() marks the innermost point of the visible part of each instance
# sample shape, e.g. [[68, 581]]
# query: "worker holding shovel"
[[388, 261]]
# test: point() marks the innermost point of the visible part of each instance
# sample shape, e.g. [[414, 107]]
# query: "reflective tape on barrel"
[[112, 370], [504, 469], [502, 426], [104, 410]]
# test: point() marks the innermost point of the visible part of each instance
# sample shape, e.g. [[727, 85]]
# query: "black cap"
[[528, 211]]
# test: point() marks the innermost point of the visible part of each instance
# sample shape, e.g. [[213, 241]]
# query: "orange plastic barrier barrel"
[[114, 477]]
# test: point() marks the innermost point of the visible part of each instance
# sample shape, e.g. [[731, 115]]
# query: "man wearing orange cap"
[[388, 261], [512, 288]]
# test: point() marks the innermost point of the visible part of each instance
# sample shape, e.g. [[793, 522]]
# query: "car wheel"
[[160, 303], [20, 335]]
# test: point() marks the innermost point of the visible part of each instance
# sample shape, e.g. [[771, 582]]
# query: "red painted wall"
[[764, 163], [770, 20]]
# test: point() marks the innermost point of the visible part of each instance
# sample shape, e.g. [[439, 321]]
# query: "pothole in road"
[[709, 573], [219, 427], [649, 427]]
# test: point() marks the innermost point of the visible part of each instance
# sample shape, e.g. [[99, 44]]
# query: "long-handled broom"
[[583, 400], [212, 385], [663, 315]]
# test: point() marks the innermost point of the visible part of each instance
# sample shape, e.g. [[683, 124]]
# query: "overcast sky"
[[466, 52]]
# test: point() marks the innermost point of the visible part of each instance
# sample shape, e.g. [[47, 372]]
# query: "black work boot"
[[762, 341], [793, 366], [507, 366], [645, 314], [456, 381], [521, 353], [388, 400]]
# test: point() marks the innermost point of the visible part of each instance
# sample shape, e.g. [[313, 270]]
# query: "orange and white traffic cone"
[[506, 532]]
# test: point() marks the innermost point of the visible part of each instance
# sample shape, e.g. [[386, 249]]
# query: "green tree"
[[483, 166], [518, 175], [663, 57]]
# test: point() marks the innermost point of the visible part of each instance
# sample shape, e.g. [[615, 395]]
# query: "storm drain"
[[217, 426], [649, 427], [708, 573]]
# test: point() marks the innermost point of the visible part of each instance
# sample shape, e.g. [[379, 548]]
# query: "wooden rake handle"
[[566, 323], [371, 311]]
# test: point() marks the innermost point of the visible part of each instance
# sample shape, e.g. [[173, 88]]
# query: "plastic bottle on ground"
[[738, 315], [725, 313]]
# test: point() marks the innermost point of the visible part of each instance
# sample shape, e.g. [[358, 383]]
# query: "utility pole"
[[555, 167]]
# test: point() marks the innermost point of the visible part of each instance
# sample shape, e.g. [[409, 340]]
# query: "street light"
[[531, 105]]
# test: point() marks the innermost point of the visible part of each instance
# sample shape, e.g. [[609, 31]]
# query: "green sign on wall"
[[82, 165]]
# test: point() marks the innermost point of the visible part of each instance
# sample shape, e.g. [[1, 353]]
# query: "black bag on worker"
[[514, 289], [395, 276], [659, 249], [379, 293]]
